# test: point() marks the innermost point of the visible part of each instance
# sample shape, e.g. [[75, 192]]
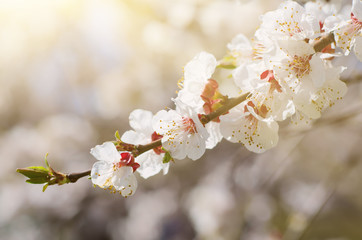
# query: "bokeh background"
[[72, 71]]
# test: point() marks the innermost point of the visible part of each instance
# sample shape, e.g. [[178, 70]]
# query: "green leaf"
[[228, 62], [45, 187], [46, 160], [39, 169], [33, 173], [37, 180], [167, 158], [227, 66], [117, 136]]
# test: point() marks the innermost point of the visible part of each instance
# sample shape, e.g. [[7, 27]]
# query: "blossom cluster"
[[287, 70]]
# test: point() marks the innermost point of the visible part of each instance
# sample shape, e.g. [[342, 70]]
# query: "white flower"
[[183, 133], [247, 124], [197, 87], [196, 75], [290, 21], [114, 170], [321, 10], [246, 51], [332, 90], [311, 83], [300, 71], [151, 162], [347, 33]]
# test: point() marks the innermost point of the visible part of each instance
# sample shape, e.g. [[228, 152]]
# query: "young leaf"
[[37, 180], [45, 187], [167, 158], [46, 160], [117, 136], [33, 173]]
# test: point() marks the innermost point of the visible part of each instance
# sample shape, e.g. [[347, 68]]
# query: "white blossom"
[[290, 21], [347, 33], [196, 75], [197, 83], [183, 133], [247, 124], [151, 162], [114, 170]]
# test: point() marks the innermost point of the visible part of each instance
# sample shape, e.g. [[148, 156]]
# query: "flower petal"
[[133, 137], [151, 164], [125, 181], [102, 173], [106, 152], [200, 68], [358, 48], [141, 121]]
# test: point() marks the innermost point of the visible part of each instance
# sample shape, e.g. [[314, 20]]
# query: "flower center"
[[258, 50], [189, 125], [300, 65], [268, 75], [261, 110], [126, 160], [290, 27]]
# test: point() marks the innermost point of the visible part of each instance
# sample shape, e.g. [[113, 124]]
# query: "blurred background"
[[72, 71]]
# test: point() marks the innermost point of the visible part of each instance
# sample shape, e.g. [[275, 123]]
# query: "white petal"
[[124, 181], [102, 173], [318, 71], [213, 128], [196, 148], [141, 121], [358, 48], [151, 164], [357, 9], [345, 36], [265, 138], [200, 68], [244, 78], [240, 43], [177, 150], [133, 137], [161, 120], [192, 100], [106, 152], [294, 47], [256, 135], [309, 109]]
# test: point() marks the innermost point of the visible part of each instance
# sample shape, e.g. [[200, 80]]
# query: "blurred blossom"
[[259, 209], [303, 198], [180, 13], [146, 216], [209, 202]]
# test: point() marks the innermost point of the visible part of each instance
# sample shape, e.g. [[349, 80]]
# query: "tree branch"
[[324, 42], [73, 177]]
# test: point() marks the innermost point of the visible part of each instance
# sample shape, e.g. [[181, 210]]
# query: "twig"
[[73, 177]]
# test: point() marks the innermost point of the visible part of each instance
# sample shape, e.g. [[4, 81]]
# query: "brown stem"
[[144, 148], [323, 42], [73, 177], [232, 102]]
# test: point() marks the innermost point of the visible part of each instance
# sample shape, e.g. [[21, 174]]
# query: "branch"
[[144, 148], [73, 177], [232, 102], [324, 42]]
